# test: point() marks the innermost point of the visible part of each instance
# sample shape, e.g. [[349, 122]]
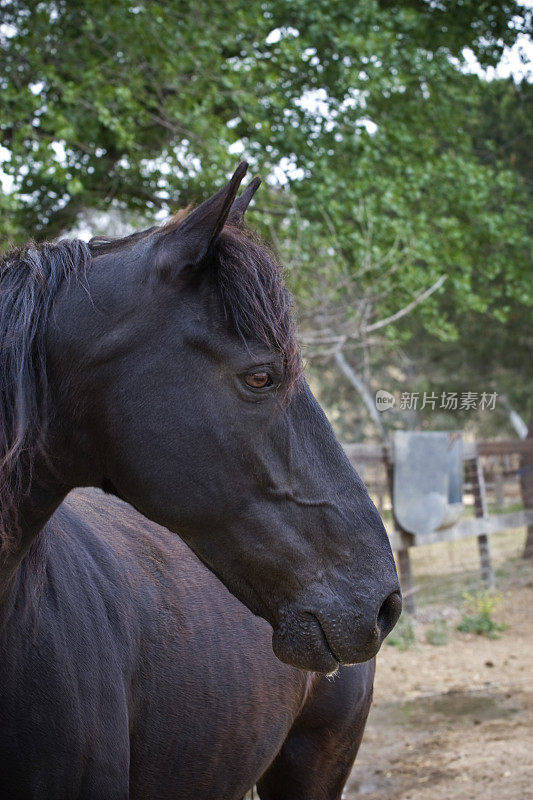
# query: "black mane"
[[29, 280]]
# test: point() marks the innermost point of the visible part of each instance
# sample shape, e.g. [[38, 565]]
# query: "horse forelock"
[[29, 280], [255, 299]]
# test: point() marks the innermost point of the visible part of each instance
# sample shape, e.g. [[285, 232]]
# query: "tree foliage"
[[398, 167], [128, 100]]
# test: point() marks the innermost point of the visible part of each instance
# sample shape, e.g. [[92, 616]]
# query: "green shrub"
[[403, 635], [437, 633], [477, 614]]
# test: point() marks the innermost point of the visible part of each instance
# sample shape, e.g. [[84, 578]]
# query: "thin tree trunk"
[[514, 417], [526, 486], [364, 392]]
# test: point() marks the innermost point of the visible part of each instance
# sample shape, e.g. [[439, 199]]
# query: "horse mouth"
[[302, 642], [325, 640]]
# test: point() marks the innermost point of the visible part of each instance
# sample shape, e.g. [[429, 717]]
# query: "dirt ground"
[[454, 722]]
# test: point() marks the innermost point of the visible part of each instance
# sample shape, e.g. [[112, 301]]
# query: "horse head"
[[176, 375]]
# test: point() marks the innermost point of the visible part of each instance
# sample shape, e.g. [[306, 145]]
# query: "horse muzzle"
[[322, 640]]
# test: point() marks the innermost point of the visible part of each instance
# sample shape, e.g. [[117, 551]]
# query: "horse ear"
[[238, 209], [189, 242]]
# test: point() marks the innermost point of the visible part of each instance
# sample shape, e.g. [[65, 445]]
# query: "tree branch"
[[409, 307], [363, 391]]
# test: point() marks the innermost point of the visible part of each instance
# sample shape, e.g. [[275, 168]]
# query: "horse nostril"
[[389, 613]]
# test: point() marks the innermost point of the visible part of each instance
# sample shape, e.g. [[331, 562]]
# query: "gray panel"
[[428, 479]]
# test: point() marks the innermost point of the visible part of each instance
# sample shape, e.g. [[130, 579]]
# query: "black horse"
[[163, 368]]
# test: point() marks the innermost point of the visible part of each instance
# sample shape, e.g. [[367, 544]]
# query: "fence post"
[[499, 489], [404, 559], [480, 507], [406, 579]]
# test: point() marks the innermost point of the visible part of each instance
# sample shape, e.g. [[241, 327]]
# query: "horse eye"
[[258, 380]]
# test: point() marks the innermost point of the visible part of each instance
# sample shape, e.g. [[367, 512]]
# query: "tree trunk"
[[526, 486], [363, 391]]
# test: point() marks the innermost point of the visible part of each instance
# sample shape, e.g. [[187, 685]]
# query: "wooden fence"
[[482, 525]]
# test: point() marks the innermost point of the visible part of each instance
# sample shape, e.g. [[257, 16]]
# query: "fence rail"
[[379, 453]]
